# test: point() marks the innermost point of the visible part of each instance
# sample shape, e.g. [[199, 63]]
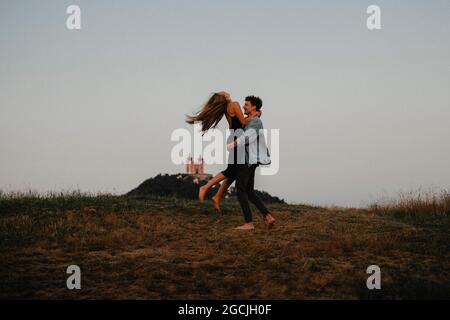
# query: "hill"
[[173, 248], [185, 186]]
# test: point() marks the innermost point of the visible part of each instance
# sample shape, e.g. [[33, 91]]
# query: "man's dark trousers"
[[245, 184]]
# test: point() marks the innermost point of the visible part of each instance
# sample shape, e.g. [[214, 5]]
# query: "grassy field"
[[167, 248]]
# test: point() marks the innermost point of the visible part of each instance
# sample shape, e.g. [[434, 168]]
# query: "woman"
[[218, 105]]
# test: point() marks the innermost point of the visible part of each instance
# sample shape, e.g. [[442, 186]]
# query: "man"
[[252, 151]]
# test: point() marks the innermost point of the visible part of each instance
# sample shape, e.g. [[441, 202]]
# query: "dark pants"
[[245, 184]]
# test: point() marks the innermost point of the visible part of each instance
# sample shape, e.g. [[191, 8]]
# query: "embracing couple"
[[247, 148]]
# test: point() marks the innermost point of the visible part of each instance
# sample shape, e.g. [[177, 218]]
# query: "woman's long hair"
[[211, 113]]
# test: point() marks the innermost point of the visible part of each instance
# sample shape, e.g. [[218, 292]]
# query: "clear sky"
[[362, 114]]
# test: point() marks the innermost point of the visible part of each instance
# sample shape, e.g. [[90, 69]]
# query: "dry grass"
[[156, 248], [415, 203]]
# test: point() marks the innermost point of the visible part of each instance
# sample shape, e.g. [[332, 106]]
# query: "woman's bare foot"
[[202, 193], [246, 226], [270, 220], [216, 202]]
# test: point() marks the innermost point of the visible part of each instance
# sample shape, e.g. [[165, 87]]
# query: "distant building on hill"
[[197, 170]]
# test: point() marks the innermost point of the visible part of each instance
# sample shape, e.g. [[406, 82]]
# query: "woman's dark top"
[[235, 123], [231, 171]]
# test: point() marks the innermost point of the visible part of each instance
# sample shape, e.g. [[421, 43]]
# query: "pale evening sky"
[[361, 113]]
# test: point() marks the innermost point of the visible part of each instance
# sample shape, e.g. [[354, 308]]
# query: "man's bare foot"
[[219, 219], [202, 193], [216, 202], [270, 220], [246, 226]]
